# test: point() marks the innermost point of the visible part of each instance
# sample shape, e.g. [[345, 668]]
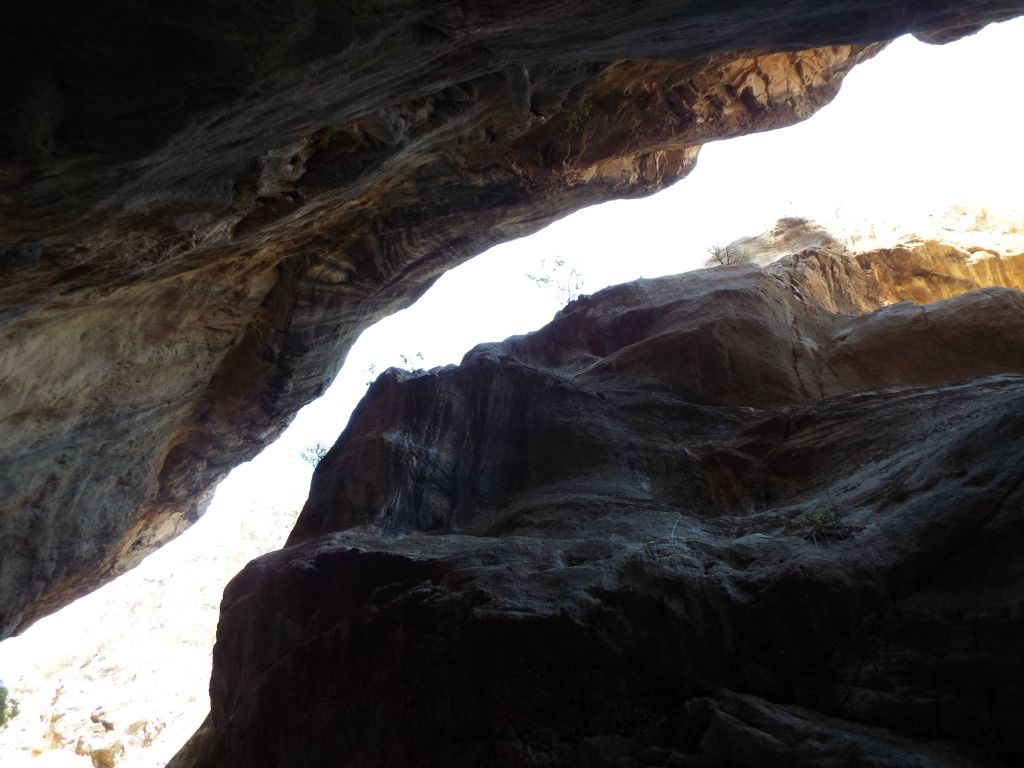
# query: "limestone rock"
[[703, 520], [199, 211]]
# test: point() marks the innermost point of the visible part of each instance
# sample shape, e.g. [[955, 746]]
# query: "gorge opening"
[[819, 169]]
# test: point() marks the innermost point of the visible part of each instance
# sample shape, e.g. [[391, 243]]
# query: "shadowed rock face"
[[201, 207], [703, 520]]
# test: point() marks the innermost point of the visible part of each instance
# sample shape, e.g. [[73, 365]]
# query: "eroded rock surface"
[[738, 517], [201, 208]]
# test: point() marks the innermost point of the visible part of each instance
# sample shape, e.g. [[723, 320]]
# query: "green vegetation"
[[244, 192], [322, 139], [724, 256], [565, 280], [315, 453], [579, 115], [821, 525], [8, 706]]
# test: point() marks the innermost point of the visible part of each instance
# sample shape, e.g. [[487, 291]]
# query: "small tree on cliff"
[[564, 279], [315, 453], [724, 256]]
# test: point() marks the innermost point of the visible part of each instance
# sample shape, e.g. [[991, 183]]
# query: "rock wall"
[[704, 520], [200, 207]]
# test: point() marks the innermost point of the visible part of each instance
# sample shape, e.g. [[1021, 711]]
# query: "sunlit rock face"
[[738, 517], [200, 211], [121, 677]]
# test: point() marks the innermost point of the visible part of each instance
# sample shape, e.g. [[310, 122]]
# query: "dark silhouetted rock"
[[702, 520]]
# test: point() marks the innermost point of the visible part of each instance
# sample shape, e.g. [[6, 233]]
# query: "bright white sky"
[[914, 131]]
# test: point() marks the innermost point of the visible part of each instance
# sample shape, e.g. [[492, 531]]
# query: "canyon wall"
[[202, 206], [738, 517]]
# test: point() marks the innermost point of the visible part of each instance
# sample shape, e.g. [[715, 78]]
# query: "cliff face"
[[201, 208], [738, 517]]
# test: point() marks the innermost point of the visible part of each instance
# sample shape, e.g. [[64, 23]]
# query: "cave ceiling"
[[203, 204]]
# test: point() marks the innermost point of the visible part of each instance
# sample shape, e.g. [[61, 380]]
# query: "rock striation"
[[201, 208], [739, 517]]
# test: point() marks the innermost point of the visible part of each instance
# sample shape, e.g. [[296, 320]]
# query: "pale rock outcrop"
[[122, 675]]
